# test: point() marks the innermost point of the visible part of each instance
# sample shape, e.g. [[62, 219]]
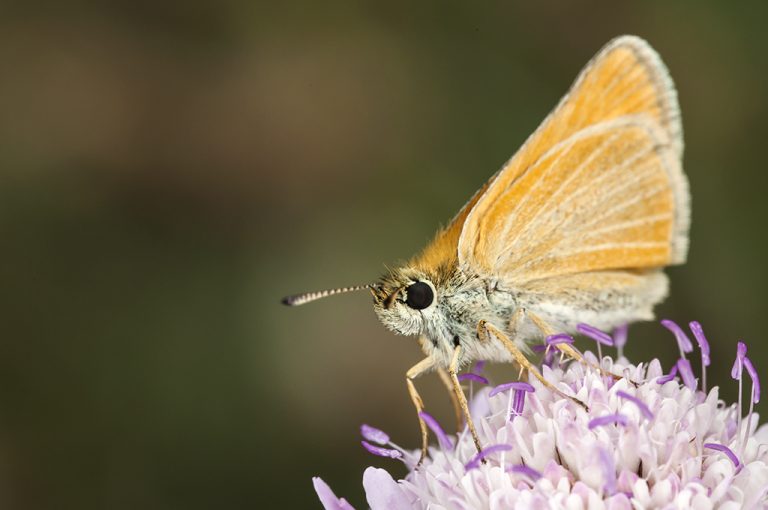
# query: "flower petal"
[[327, 498], [382, 492]]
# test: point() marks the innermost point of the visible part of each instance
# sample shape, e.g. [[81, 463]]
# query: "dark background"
[[169, 171]]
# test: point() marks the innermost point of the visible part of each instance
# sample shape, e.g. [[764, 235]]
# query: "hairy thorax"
[[461, 302]]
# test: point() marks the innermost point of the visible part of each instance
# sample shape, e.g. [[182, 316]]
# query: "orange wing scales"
[[599, 186]]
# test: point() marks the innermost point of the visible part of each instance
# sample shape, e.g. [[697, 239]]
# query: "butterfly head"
[[403, 301]]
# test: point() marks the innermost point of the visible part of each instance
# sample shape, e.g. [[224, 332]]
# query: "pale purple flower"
[[647, 441]]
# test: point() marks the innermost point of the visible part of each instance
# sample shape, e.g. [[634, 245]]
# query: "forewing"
[[598, 186]]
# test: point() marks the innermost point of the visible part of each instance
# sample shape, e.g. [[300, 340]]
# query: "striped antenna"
[[300, 299]]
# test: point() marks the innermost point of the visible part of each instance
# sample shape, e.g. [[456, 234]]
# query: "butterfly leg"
[[446, 379], [567, 349], [415, 371], [484, 329], [460, 395]]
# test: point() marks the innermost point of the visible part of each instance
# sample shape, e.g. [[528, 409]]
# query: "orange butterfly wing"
[[598, 186]]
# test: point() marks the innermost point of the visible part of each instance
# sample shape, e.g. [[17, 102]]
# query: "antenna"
[[300, 299]]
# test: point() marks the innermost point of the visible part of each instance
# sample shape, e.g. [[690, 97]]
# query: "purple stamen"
[[686, 372], [524, 470], [549, 359], [741, 353], [755, 379], [485, 452], [620, 336], [737, 372], [666, 378], [755, 396], [683, 342], [639, 403], [698, 332], [382, 452], [479, 366], [519, 403], [517, 385], [608, 419], [609, 470], [373, 434], [473, 377], [595, 334], [442, 437], [560, 338], [725, 450]]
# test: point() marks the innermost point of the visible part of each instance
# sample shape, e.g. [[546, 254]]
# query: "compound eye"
[[420, 295]]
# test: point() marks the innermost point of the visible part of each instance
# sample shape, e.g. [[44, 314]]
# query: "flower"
[[646, 441]]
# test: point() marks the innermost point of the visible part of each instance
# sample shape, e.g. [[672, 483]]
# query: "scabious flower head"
[[646, 441]]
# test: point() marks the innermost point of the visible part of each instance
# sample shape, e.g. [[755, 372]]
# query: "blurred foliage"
[[169, 170]]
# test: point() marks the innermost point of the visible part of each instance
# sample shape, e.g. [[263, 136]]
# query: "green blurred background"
[[169, 171]]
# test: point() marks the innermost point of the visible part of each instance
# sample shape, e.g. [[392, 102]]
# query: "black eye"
[[420, 295]]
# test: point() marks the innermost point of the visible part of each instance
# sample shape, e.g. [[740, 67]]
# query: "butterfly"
[[575, 228]]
